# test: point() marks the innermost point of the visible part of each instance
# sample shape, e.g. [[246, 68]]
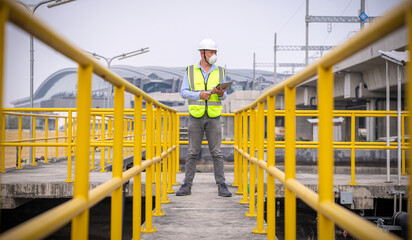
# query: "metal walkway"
[[204, 215]]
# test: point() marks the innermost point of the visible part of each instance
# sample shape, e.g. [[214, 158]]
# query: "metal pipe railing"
[[78, 131], [329, 213]]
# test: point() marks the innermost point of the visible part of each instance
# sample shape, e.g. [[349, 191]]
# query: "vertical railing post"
[[176, 139], [19, 151], [270, 192], [137, 161], [124, 136], [166, 165], [252, 166], [80, 224], [46, 135], [235, 164], [158, 208], [149, 177], [33, 163], [403, 146], [239, 156], [170, 157], [325, 151], [244, 200], [103, 149], [93, 138], [290, 162], [109, 135], [57, 138], [117, 194], [69, 144], [2, 139], [177, 126], [65, 137], [352, 150], [261, 155]]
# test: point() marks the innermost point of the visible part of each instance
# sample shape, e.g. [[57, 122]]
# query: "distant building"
[[59, 89]]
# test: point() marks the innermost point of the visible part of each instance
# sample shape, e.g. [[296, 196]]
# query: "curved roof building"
[[59, 89]]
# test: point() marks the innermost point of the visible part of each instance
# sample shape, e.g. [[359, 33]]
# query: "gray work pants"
[[213, 129]]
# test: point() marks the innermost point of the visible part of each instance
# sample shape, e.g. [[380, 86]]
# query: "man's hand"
[[219, 92], [205, 95]]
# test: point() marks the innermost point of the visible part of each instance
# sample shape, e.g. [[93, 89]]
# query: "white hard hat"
[[207, 44]]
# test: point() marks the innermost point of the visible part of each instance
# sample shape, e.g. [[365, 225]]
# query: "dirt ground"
[[11, 152]]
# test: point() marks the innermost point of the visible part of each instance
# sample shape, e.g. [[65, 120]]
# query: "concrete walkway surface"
[[204, 215]]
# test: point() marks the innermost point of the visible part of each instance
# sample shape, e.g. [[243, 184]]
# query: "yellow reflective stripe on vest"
[[197, 84]]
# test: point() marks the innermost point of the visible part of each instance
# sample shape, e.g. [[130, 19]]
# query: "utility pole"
[[274, 62], [254, 65], [361, 18], [307, 34]]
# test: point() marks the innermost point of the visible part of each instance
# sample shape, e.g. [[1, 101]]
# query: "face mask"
[[213, 59]]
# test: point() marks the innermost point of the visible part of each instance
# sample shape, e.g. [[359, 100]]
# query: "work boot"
[[223, 191], [184, 190]]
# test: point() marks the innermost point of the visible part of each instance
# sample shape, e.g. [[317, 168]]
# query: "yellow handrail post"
[[154, 146], [125, 136], [93, 138], [352, 151], [176, 131], [235, 164], [177, 145], [65, 138], [244, 200], [80, 224], [166, 166], [403, 145], [4, 14], [270, 192], [252, 166], [149, 157], [158, 208], [69, 156], [240, 157], [175, 141], [109, 135], [33, 163], [19, 151], [260, 184], [57, 138], [137, 161], [3, 138], [290, 162], [117, 194], [103, 149], [325, 151], [170, 157], [46, 135]]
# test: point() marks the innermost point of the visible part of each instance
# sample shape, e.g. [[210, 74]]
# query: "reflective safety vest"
[[197, 84]]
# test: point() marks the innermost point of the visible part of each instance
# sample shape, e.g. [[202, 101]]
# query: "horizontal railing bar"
[[342, 217], [45, 224]]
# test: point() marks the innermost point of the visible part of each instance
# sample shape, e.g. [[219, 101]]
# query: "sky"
[[172, 31]]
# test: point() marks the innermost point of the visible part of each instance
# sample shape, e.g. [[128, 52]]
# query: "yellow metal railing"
[[329, 213], [161, 121]]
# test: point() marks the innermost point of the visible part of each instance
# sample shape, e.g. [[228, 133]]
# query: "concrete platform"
[[204, 215]]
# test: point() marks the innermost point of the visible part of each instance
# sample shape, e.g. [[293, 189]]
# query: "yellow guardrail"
[[329, 213], [160, 121]]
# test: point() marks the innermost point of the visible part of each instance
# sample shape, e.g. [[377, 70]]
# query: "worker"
[[205, 107]]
